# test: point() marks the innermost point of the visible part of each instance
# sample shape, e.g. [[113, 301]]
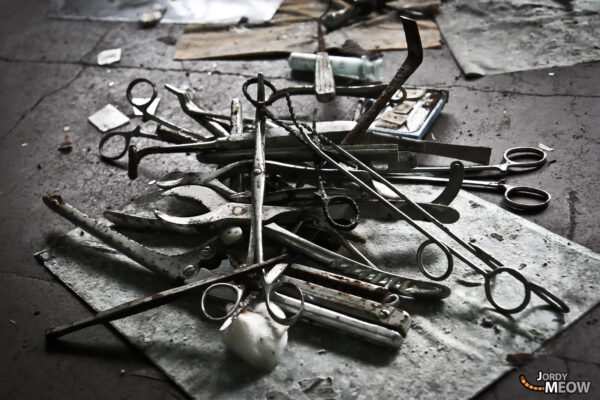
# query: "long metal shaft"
[[156, 300], [412, 62]]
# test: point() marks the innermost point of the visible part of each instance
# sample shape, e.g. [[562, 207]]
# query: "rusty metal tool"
[[156, 300], [176, 267], [402, 286], [410, 65]]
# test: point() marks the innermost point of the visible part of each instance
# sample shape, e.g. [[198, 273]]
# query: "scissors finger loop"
[[284, 320], [222, 285], [489, 279], [340, 224], [142, 106], [535, 158], [538, 198], [449, 260], [114, 145]]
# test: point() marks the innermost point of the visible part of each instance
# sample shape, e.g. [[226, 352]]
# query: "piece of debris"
[[66, 129], [497, 236], [151, 108], [107, 118], [487, 322], [24, 144], [12, 321], [519, 359], [322, 351], [544, 147], [122, 372], [522, 265], [110, 56], [148, 373], [168, 40], [151, 18], [318, 388], [256, 338], [67, 145]]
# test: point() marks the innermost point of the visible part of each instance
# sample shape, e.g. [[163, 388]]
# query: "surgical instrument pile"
[[281, 208]]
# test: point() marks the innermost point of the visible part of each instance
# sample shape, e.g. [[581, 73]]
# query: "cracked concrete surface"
[[49, 80]]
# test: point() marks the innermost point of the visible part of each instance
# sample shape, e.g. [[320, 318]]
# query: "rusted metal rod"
[[408, 67]]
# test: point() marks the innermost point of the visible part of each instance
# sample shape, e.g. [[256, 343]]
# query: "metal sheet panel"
[[448, 352]]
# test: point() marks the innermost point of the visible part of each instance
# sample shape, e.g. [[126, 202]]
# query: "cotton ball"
[[256, 338]]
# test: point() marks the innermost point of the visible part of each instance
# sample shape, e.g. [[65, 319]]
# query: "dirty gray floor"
[[49, 80]]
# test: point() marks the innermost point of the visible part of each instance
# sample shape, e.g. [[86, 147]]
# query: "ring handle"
[[327, 202], [540, 197], [235, 288], [517, 275], [286, 320], [512, 156], [110, 135], [144, 106], [447, 253]]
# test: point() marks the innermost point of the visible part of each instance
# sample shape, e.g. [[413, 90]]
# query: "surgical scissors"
[[538, 199], [535, 158], [255, 247]]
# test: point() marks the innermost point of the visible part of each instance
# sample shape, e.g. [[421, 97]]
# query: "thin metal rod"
[[156, 300], [410, 65]]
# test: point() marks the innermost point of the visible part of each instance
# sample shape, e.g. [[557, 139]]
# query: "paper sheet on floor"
[[496, 36], [448, 353], [177, 11]]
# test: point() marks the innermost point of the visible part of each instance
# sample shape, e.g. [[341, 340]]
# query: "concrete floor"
[[49, 80]]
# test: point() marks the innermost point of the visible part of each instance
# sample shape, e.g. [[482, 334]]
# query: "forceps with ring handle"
[[497, 268], [244, 295]]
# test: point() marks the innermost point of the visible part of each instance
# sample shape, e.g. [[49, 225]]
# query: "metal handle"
[[539, 198]]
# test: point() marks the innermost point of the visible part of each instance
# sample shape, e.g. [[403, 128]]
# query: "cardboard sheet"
[[448, 352], [381, 33], [496, 36]]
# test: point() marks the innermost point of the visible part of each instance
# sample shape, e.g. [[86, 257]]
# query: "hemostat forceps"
[[497, 267]]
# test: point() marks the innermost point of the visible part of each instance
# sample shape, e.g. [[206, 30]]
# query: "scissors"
[[255, 246], [143, 106], [535, 158], [114, 145], [519, 198]]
